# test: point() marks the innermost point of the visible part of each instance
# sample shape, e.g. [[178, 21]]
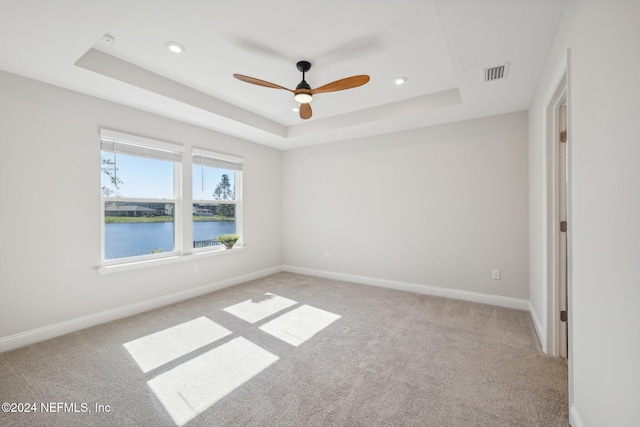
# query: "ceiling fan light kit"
[[303, 98], [303, 92]]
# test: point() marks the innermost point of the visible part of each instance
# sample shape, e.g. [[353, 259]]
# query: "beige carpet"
[[313, 352]]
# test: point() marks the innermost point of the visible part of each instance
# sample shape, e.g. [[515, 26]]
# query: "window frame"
[[182, 197], [131, 145]]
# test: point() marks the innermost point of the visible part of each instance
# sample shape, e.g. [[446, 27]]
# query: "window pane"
[[136, 177], [211, 220], [213, 183], [135, 229]]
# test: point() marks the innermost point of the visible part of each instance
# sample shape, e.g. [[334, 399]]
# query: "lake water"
[[127, 240]]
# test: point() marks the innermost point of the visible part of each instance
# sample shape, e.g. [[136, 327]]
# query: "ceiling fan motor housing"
[[303, 85]]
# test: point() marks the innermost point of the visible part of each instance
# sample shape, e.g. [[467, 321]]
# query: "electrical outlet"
[[327, 255], [495, 274], [196, 268]]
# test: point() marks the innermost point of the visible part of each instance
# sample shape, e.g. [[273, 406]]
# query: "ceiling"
[[442, 47]]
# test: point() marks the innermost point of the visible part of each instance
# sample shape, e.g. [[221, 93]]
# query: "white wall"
[[50, 208], [604, 221], [438, 206]]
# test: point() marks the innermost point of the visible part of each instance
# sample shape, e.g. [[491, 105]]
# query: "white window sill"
[[125, 266]]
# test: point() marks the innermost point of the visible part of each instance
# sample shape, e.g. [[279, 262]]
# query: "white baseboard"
[[51, 331], [574, 418], [538, 326], [517, 303]]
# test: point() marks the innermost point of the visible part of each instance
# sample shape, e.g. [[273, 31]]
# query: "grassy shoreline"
[[164, 218]]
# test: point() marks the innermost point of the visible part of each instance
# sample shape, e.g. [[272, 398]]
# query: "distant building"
[[113, 209], [162, 208]]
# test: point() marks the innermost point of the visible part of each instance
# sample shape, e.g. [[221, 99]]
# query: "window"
[[140, 183], [216, 186], [142, 202]]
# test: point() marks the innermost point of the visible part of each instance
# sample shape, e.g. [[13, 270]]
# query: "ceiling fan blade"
[[259, 82], [305, 111], [342, 84]]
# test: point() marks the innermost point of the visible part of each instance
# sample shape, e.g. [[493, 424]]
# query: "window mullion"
[[178, 214]]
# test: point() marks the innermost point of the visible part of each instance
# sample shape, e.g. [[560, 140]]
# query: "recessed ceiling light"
[[175, 47], [295, 109], [400, 80]]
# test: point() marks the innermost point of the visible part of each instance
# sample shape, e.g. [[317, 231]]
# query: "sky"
[[153, 179]]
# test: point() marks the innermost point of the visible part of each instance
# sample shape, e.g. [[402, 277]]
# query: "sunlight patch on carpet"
[[156, 349], [253, 310], [190, 388], [297, 326]]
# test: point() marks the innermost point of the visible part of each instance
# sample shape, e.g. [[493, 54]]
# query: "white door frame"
[[553, 269]]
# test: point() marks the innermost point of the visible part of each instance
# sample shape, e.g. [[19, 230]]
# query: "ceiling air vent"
[[496, 73]]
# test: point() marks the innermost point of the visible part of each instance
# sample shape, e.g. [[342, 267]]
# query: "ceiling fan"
[[303, 93]]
